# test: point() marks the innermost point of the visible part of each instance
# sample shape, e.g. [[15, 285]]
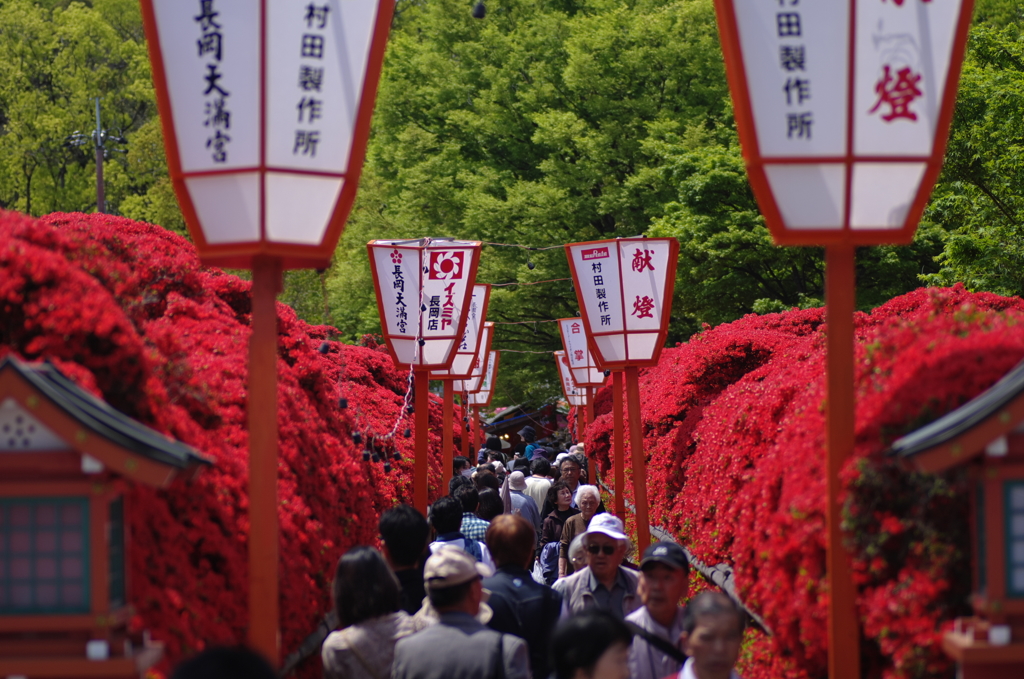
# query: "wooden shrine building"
[[986, 435], [66, 459]]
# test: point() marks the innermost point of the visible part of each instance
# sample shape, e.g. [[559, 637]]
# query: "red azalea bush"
[[126, 310], [734, 430]]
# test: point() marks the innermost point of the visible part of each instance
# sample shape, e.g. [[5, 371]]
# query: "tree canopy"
[[546, 122]]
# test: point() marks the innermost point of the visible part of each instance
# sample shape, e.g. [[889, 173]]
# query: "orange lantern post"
[[843, 108], [462, 368], [424, 290], [265, 109], [624, 288]]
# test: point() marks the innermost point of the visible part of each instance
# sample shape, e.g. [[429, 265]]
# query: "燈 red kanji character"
[[897, 93], [642, 307]]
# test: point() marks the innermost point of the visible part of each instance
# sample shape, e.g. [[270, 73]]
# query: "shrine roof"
[[964, 432], [100, 418]]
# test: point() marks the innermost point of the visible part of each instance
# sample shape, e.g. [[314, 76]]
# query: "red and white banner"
[[843, 108], [624, 288], [585, 372], [424, 289], [476, 375], [482, 396], [575, 395], [469, 347]]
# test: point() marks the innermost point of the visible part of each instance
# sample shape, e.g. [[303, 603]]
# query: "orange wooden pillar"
[[638, 459], [264, 614], [618, 445], [464, 400], [591, 395], [478, 439], [843, 627], [581, 424], [420, 467], [448, 437]]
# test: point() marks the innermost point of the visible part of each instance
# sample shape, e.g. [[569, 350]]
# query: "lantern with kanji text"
[[624, 288], [461, 368], [266, 112], [843, 108], [424, 292], [586, 375], [481, 398], [265, 108]]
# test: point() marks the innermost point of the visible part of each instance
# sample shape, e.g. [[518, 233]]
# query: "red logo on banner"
[[445, 266], [595, 253]]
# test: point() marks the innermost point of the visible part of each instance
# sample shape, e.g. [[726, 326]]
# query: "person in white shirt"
[[539, 481], [658, 625], [712, 635]]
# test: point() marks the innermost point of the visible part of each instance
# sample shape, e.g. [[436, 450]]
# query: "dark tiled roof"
[[976, 411], [97, 416]]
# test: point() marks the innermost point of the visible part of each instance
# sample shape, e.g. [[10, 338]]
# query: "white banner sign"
[[577, 351], [624, 288], [573, 394], [469, 347], [424, 289], [472, 383], [482, 396]]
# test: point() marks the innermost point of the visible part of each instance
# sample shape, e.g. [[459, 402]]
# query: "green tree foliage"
[[539, 125], [728, 264], [980, 196], [55, 57]]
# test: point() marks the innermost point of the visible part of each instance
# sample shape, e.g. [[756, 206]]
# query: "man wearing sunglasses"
[[604, 584]]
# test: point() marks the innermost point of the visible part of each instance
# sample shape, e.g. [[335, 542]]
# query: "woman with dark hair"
[[560, 497], [366, 597], [490, 504], [592, 645]]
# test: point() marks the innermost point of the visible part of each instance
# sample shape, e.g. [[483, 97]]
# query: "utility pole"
[[100, 138]]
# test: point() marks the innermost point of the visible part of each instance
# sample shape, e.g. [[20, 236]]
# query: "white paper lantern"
[[585, 372], [469, 348], [843, 108], [482, 396], [476, 375], [573, 393], [266, 112], [624, 287], [424, 288]]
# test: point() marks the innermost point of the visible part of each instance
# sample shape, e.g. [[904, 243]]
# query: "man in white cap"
[[604, 584], [459, 646]]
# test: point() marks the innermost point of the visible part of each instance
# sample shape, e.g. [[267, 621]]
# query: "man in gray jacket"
[[604, 583], [459, 646]]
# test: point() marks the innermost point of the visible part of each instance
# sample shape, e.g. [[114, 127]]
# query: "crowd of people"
[[520, 573]]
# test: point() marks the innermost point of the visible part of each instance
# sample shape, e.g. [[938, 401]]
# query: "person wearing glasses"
[[604, 584]]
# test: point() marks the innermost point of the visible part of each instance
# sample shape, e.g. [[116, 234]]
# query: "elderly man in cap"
[[657, 625], [459, 646], [604, 583]]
